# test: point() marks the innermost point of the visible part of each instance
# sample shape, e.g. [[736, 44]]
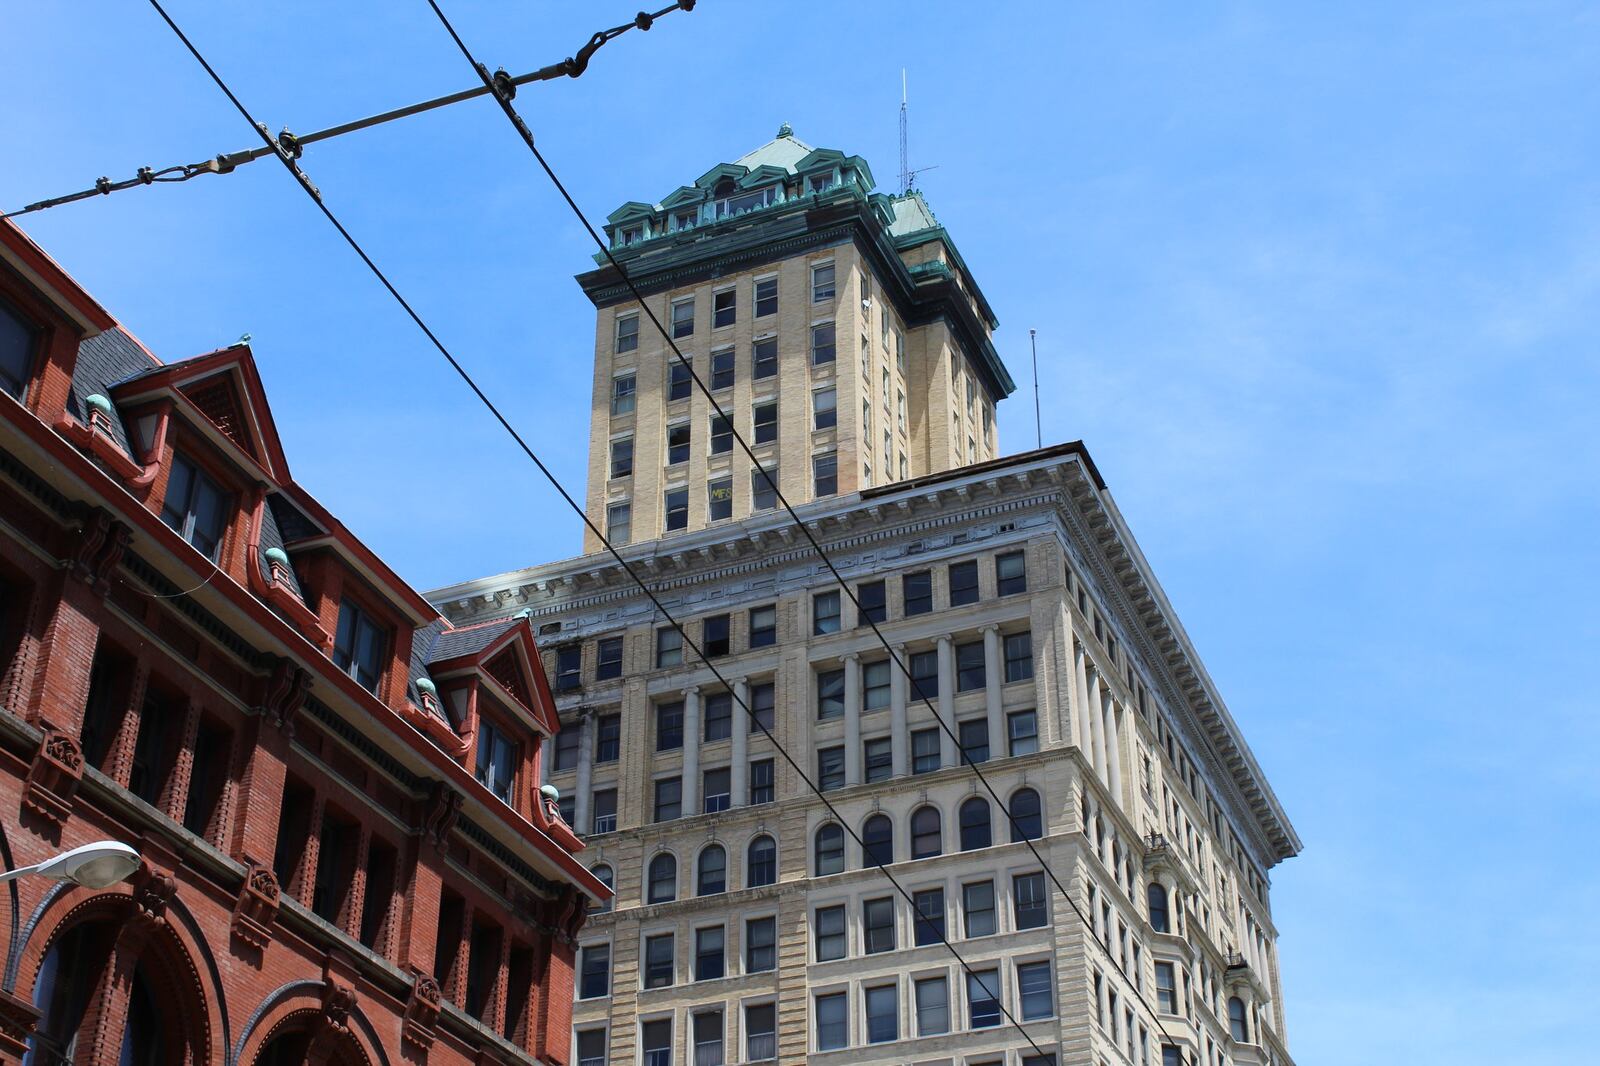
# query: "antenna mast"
[[905, 160], [1038, 431]]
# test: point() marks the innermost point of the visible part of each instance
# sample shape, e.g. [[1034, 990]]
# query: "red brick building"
[[345, 855]]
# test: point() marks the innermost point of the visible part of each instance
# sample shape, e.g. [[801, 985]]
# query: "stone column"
[[1080, 703], [691, 751], [948, 755], [580, 801], [898, 684], [740, 770], [993, 679], [1097, 723], [1114, 747], [852, 719]]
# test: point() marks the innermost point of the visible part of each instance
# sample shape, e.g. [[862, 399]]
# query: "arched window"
[[927, 835], [663, 878], [602, 873], [1237, 1022], [712, 874], [975, 824], [877, 840], [1026, 821], [1157, 895], [830, 849], [761, 862], [68, 977]]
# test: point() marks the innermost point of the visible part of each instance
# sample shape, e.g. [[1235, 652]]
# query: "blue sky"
[[1317, 285]]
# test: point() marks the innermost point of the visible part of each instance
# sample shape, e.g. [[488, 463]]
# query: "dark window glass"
[[760, 945], [195, 506], [724, 307], [677, 509], [708, 1036], [933, 1006], [680, 383], [870, 594], [925, 757], [719, 714], [877, 839], [823, 349], [1166, 988], [1010, 573], [627, 333], [669, 726], [766, 297], [669, 799], [1033, 990], [1238, 1022], [883, 1014], [970, 672], [927, 837], [683, 318], [917, 591], [983, 998], [721, 435], [763, 626], [821, 277], [565, 756], [496, 766], [963, 583], [1157, 895], [669, 647], [711, 875], [1022, 732], [719, 499], [761, 862], [619, 523], [878, 759], [877, 925], [830, 850], [657, 1040], [622, 395], [764, 488], [359, 646], [760, 1032], [766, 423], [974, 734], [830, 933], [569, 667], [662, 882], [975, 824], [825, 613], [722, 369], [603, 873], [658, 961], [977, 906], [929, 924], [595, 971], [592, 1047], [1031, 900], [761, 782], [830, 694], [1019, 656], [764, 364], [17, 343], [1171, 1056], [607, 737], [714, 795], [924, 669], [763, 697], [622, 457], [679, 438], [830, 768], [833, 1021], [608, 659], [825, 475], [1027, 821]]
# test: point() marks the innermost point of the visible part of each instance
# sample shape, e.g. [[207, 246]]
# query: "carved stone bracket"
[[54, 776], [285, 694], [256, 906], [152, 891], [102, 540], [441, 809], [18, 1018], [422, 1011]]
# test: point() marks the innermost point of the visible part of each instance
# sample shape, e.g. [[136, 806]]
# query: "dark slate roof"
[[293, 525], [466, 641], [103, 361], [422, 643], [271, 537]]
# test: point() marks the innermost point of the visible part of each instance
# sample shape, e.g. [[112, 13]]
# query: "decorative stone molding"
[[422, 1011], [256, 906], [286, 690], [18, 1018], [54, 776], [442, 808]]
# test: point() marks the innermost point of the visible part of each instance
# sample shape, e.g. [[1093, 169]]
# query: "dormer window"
[[358, 646], [18, 341], [819, 182], [686, 219], [631, 235], [730, 205], [195, 506], [496, 768]]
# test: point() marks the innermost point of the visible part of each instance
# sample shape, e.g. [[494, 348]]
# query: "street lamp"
[[96, 865]]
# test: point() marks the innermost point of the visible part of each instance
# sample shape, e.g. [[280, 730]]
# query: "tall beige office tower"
[[844, 335]]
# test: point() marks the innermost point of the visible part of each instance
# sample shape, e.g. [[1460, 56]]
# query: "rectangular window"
[[924, 669], [883, 1014], [878, 757], [765, 423], [760, 945], [983, 998], [669, 799], [916, 590], [195, 506], [566, 750], [824, 409], [929, 920], [592, 1047], [925, 751], [708, 1038], [569, 667], [669, 725], [1031, 900], [766, 297], [658, 961], [608, 659], [764, 488], [823, 348], [683, 317], [933, 1006], [764, 358], [496, 767], [677, 502], [627, 333], [680, 383], [1019, 656], [1033, 990], [708, 963], [974, 734], [763, 699], [1166, 988], [873, 600], [763, 626], [607, 737], [761, 782], [830, 694], [877, 925], [760, 1032], [722, 369], [875, 685], [359, 645], [1022, 732], [605, 811], [830, 768], [719, 716], [830, 937], [963, 583], [724, 308], [719, 499], [825, 613], [721, 435], [822, 283], [594, 969], [622, 395], [977, 905], [619, 523], [833, 1021], [1010, 573], [679, 439], [669, 647], [1171, 1055], [970, 673], [825, 474], [18, 340], [657, 1040]]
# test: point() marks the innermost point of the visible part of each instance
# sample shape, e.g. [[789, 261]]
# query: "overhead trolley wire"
[[494, 84], [311, 191]]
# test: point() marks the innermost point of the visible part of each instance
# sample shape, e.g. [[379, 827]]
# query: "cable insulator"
[[504, 87], [103, 185], [145, 176], [643, 20]]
